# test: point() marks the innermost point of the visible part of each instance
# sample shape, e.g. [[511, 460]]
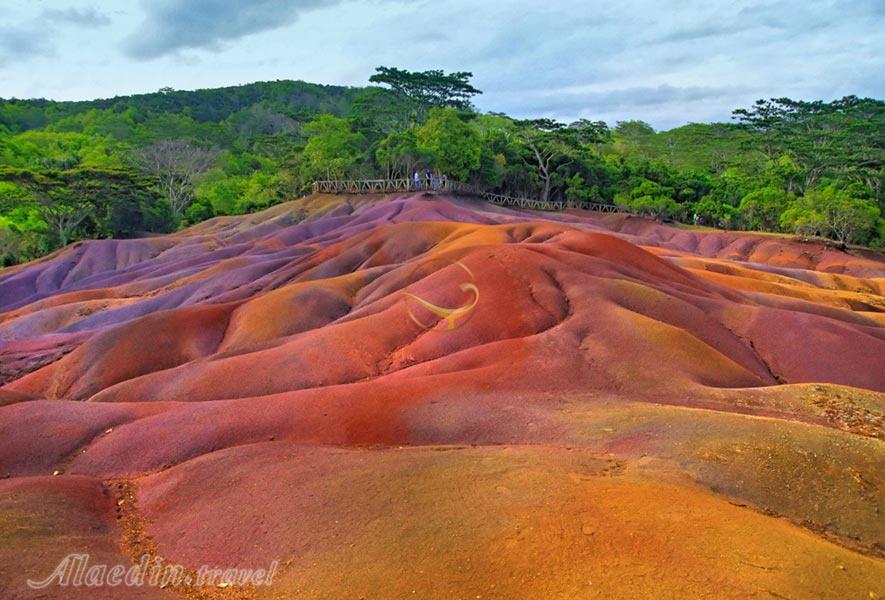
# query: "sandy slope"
[[631, 410]]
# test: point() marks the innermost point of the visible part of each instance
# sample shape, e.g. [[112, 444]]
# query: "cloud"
[[21, 43], [706, 30], [173, 25], [87, 17], [663, 61], [36, 36]]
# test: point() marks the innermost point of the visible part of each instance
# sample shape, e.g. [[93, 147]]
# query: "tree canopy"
[[433, 88]]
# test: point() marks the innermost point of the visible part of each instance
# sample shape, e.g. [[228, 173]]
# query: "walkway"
[[391, 186]]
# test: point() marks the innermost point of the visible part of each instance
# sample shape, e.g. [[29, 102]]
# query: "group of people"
[[432, 181]]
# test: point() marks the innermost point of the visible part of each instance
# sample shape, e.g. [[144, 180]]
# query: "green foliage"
[[332, 148], [400, 155], [68, 164], [454, 145], [762, 208], [649, 198], [710, 211], [73, 170], [842, 139], [379, 112], [52, 208], [575, 190], [833, 213], [732, 186], [709, 148], [291, 98], [549, 146], [658, 207], [199, 210], [51, 150], [429, 88]]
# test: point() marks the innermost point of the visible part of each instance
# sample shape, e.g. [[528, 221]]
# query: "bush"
[[651, 199], [658, 207], [199, 210]]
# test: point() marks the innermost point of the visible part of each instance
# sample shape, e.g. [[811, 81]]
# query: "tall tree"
[[428, 89], [762, 208], [548, 142], [63, 204], [454, 144], [378, 112], [176, 165], [332, 147], [843, 139], [400, 155], [833, 213]]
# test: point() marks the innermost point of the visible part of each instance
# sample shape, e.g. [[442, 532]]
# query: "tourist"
[[427, 177], [416, 181]]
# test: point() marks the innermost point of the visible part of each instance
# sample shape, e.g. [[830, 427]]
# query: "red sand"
[[658, 411]]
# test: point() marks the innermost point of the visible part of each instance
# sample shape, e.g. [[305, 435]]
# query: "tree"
[[783, 173], [259, 121], [848, 219], [176, 166], [548, 142], [454, 145], [400, 154], [716, 213], [23, 234], [833, 213], [841, 139], [423, 90], [65, 150], [332, 148], [431, 88], [762, 208], [63, 208], [731, 186], [649, 198], [378, 112], [10, 244], [591, 133], [657, 207]]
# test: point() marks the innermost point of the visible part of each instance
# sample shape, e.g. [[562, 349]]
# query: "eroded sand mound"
[[631, 409]]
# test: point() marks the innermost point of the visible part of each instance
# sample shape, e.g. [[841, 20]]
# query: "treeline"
[[134, 165]]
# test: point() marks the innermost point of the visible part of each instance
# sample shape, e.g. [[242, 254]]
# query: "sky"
[[667, 63]]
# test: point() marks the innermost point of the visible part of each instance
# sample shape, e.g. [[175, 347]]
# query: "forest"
[[153, 163]]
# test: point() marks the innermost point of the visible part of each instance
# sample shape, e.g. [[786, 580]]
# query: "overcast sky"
[[661, 61]]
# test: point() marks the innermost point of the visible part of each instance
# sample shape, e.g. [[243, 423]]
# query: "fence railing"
[[362, 186], [389, 186]]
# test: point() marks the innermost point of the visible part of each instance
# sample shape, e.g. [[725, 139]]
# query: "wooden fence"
[[390, 186]]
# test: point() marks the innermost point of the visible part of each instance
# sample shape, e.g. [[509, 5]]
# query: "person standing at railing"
[[416, 181], [427, 177], [445, 182], [436, 181]]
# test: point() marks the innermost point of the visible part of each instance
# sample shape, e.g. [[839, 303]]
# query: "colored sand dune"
[[631, 409]]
